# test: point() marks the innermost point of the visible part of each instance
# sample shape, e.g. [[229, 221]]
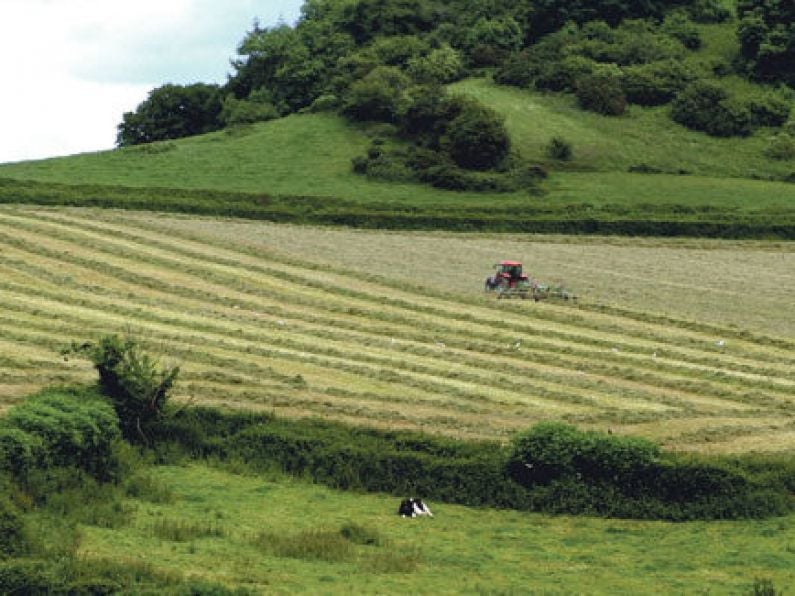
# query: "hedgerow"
[[552, 467]]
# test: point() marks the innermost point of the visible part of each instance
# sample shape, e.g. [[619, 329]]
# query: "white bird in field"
[[280, 323], [720, 343], [440, 344]]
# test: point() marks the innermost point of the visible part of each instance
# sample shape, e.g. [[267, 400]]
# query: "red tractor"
[[509, 280]]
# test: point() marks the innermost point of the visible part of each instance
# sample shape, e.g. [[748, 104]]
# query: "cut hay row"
[[267, 330]]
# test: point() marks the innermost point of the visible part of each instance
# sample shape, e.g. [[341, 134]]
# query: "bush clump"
[[75, 428], [133, 380], [560, 149], [601, 92], [706, 106]]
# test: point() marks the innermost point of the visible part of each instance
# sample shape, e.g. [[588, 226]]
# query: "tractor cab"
[[508, 277], [511, 270]]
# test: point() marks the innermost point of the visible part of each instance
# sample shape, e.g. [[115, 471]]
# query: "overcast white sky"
[[69, 69]]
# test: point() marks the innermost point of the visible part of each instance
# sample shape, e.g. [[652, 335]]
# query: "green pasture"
[[310, 155], [274, 534]]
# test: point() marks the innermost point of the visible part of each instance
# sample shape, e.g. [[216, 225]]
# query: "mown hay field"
[[289, 320]]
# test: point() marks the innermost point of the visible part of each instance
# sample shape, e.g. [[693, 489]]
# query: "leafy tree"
[[133, 380], [366, 19], [656, 83], [172, 112], [442, 65], [601, 92], [767, 38], [706, 106], [476, 139], [257, 108], [382, 95], [490, 40]]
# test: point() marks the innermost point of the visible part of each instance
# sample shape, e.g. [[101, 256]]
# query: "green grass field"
[[310, 155], [269, 543], [264, 327]]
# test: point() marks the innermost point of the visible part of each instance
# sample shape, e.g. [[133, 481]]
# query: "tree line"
[[381, 61]]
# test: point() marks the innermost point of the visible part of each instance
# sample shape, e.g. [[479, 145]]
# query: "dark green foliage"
[[172, 112], [601, 92], [476, 139], [365, 19], [706, 106], [382, 95], [490, 40], [767, 38], [642, 220], [518, 70], [13, 540], [656, 83], [257, 108], [552, 451], [62, 428], [132, 380], [560, 149], [781, 146], [546, 16], [442, 65], [678, 26], [769, 110], [633, 42], [708, 11], [553, 467], [359, 534]]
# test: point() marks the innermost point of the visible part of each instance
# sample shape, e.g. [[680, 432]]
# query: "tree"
[[767, 38], [476, 139], [382, 95], [172, 112], [137, 387], [706, 106]]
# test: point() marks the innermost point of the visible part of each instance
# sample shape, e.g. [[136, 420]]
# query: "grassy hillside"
[[310, 154], [302, 163], [268, 542], [258, 328]]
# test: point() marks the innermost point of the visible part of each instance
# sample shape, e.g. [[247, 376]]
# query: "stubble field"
[[672, 341]]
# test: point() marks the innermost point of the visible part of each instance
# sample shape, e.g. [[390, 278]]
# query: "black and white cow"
[[412, 507]]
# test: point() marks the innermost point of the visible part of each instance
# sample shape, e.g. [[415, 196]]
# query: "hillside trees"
[[767, 38], [172, 112]]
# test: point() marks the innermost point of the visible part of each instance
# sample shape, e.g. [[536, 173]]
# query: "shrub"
[[257, 108], [601, 93], [74, 428], [20, 451], [13, 541], [708, 11], [706, 106], [137, 387], [680, 28], [442, 65], [781, 147], [551, 451], [769, 110], [517, 70], [476, 139], [382, 95], [656, 83], [559, 149]]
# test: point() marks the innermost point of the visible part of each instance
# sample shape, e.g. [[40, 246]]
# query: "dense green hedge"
[[552, 468], [660, 220], [60, 428]]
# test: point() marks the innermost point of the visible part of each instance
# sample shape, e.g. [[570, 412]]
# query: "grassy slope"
[[461, 550], [310, 155], [255, 327]]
